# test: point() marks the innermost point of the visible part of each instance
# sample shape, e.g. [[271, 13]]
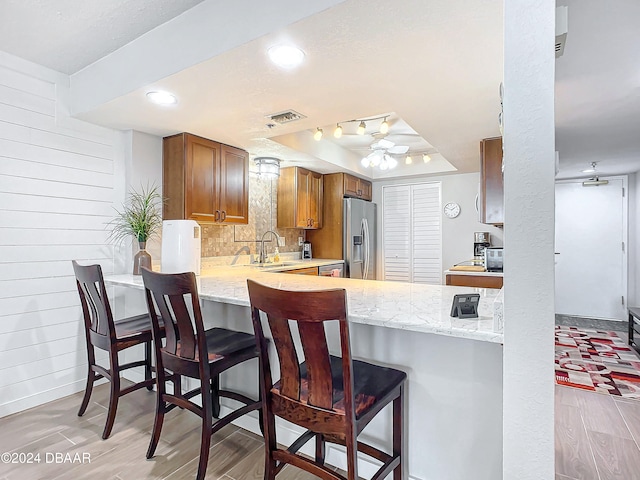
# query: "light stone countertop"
[[406, 306]]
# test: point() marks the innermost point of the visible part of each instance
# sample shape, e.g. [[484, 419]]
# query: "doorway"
[[591, 249]]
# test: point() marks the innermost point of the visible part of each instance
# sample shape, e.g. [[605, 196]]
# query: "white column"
[[529, 63]]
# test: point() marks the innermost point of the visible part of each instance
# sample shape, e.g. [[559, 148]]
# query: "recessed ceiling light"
[[162, 98], [286, 56]]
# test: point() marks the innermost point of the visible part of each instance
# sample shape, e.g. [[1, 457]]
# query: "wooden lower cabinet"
[[304, 271], [478, 281]]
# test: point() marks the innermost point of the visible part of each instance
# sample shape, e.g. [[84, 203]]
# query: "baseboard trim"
[[592, 323], [40, 398]]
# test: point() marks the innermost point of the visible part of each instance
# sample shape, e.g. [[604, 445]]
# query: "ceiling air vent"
[[562, 27], [286, 117]]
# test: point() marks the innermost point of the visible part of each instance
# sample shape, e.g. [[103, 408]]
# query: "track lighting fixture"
[[361, 130], [408, 160], [426, 158]]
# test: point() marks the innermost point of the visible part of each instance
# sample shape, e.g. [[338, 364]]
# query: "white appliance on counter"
[[181, 246]]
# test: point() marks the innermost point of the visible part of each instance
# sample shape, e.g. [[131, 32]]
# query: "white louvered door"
[[411, 236]]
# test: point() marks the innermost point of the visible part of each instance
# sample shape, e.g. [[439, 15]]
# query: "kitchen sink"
[[271, 264]]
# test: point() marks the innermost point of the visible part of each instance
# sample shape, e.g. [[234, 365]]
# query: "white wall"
[[529, 156], [57, 190], [634, 239], [457, 233]]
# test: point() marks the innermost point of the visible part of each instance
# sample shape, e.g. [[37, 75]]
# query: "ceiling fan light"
[[376, 157], [426, 158], [392, 162], [384, 165], [408, 160], [366, 162], [338, 131], [361, 128], [318, 134], [384, 126]]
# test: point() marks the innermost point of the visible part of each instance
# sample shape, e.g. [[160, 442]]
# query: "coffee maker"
[[480, 243]]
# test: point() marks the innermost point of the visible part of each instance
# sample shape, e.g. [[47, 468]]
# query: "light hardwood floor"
[[55, 428], [597, 438]]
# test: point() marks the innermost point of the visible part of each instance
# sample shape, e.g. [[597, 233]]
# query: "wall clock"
[[452, 210]]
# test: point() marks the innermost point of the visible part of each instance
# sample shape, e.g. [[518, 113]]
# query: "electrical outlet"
[[300, 241], [281, 241]]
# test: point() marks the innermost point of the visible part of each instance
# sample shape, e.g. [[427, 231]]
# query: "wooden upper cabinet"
[[491, 182], [234, 185], [356, 187], [300, 194], [204, 180]]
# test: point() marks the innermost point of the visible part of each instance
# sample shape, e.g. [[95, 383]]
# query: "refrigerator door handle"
[[365, 241]]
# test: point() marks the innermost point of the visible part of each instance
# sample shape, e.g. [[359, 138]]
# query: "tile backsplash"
[[225, 240]]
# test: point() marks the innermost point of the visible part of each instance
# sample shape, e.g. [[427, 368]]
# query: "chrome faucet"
[[263, 257]]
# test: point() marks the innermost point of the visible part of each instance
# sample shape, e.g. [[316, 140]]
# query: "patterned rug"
[[597, 361]]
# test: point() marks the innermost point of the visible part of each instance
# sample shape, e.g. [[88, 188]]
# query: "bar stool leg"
[[320, 449], [398, 441], [114, 394], [215, 398], [147, 363]]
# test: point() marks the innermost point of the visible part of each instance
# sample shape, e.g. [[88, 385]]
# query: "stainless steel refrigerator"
[[359, 238]]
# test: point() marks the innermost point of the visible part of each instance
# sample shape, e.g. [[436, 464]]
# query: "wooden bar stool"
[[193, 352], [334, 398], [102, 332]]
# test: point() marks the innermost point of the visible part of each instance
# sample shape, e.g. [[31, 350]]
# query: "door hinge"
[[623, 191], [623, 300], [623, 247]]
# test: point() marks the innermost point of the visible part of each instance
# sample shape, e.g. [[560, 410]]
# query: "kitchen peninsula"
[[454, 366]]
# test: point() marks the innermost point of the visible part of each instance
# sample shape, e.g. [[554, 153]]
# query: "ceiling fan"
[[381, 156]]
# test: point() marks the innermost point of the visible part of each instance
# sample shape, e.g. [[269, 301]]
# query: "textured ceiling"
[[68, 35], [598, 88], [436, 63]]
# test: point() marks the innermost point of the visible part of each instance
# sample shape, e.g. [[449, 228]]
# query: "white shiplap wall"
[[57, 191]]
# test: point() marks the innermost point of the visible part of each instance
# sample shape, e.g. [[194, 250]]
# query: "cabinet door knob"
[[312, 222], [224, 216]]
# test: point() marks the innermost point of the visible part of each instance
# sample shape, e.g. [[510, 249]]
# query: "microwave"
[[494, 259]]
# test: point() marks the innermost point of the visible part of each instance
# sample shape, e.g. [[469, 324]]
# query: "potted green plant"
[[140, 217]]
